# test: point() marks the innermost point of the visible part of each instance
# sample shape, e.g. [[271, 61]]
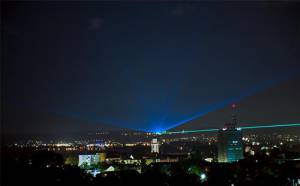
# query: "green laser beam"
[[271, 126], [246, 127]]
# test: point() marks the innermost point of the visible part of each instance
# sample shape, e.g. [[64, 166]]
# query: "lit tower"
[[154, 146], [234, 114], [230, 145]]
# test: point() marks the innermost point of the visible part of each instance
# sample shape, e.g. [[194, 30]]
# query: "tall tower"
[[230, 145], [234, 114]]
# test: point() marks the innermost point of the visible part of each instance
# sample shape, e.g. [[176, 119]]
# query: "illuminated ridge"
[[246, 127]]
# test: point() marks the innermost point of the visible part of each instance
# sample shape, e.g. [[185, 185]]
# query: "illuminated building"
[[230, 146], [154, 146], [131, 161], [88, 160], [102, 156]]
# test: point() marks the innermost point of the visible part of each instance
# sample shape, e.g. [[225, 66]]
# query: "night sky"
[[141, 65]]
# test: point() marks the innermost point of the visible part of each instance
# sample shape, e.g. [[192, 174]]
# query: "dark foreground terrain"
[[27, 167]]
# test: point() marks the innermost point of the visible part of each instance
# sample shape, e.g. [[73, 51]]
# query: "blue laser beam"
[[251, 91]]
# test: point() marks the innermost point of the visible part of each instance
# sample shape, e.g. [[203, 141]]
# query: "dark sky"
[[140, 65]]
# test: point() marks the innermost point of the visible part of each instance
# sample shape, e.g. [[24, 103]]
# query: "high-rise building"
[[230, 144], [154, 146]]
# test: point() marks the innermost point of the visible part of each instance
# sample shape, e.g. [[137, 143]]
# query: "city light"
[[202, 176], [192, 131]]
